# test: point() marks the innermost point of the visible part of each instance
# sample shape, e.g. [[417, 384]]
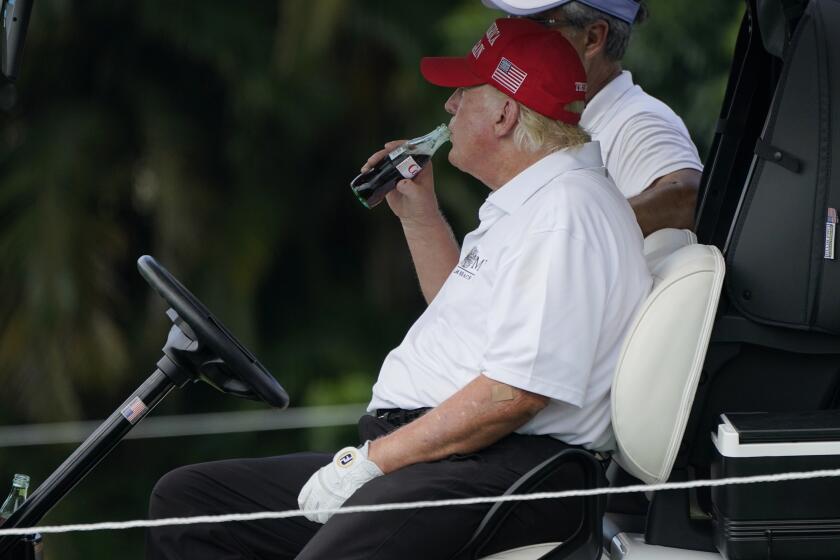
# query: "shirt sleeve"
[[547, 311], [649, 147]]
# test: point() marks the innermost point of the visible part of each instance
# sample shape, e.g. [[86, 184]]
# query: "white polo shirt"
[[545, 289], [641, 138]]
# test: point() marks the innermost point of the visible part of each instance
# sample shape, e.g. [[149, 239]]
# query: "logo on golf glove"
[[332, 484], [345, 459]]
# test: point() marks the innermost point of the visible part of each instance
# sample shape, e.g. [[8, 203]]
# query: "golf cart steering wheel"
[[200, 347]]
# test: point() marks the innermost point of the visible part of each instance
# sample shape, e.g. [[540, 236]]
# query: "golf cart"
[[752, 356], [749, 384]]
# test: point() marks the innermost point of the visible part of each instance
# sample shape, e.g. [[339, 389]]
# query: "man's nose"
[[451, 104]]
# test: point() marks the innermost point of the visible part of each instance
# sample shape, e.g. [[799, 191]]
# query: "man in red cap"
[[511, 362], [645, 146]]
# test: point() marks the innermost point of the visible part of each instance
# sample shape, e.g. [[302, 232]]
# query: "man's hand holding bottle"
[[387, 167], [401, 173], [413, 200]]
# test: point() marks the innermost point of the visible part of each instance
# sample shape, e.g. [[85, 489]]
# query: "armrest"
[[585, 543]]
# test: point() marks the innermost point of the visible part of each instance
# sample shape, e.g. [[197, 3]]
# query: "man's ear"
[[595, 38], [506, 118]]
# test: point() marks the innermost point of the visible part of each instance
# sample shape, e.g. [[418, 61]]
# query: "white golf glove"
[[331, 485]]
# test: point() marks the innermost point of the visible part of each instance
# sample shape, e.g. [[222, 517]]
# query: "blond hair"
[[535, 132]]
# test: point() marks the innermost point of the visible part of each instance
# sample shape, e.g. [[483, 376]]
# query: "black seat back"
[[771, 181]]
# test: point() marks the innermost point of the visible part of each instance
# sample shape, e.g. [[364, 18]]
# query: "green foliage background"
[[220, 137]]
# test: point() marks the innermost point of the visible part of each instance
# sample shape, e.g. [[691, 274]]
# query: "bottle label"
[[409, 168], [397, 153]]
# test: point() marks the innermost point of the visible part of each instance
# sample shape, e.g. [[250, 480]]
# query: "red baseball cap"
[[524, 60]]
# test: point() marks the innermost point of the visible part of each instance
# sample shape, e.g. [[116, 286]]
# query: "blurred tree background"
[[221, 137]]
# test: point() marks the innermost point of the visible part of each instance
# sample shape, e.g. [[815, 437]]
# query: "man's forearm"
[[476, 416], [668, 203], [434, 252]]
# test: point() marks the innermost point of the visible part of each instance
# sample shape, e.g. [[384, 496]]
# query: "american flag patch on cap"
[[509, 75], [135, 410]]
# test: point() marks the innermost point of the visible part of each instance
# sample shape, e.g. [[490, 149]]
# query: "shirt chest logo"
[[471, 264]]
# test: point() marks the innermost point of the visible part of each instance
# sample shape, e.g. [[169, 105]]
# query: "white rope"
[[120, 525]]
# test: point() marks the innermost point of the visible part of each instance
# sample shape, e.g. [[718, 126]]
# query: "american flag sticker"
[[478, 49], [830, 233], [493, 33], [135, 410], [509, 75]]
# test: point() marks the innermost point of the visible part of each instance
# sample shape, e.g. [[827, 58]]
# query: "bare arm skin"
[[669, 202], [430, 240], [434, 252], [469, 420]]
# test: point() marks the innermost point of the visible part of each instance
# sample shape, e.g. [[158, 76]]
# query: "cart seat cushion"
[[663, 355]]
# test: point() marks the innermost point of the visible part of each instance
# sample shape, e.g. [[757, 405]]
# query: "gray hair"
[[578, 16]]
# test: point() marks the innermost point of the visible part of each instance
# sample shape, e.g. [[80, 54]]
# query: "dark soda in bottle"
[[405, 162]]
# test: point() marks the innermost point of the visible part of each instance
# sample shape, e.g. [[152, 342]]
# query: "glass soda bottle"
[[30, 547], [17, 495], [405, 162]]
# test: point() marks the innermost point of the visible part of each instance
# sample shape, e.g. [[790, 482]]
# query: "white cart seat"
[[660, 361]]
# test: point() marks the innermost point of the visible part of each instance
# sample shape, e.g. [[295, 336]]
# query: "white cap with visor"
[[624, 10]]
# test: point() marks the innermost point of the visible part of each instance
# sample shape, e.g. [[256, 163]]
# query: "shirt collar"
[[600, 105], [515, 192]]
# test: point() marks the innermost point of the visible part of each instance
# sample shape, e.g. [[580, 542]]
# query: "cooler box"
[[780, 520]]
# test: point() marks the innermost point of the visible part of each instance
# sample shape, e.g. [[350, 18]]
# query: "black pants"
[[273, 484]]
